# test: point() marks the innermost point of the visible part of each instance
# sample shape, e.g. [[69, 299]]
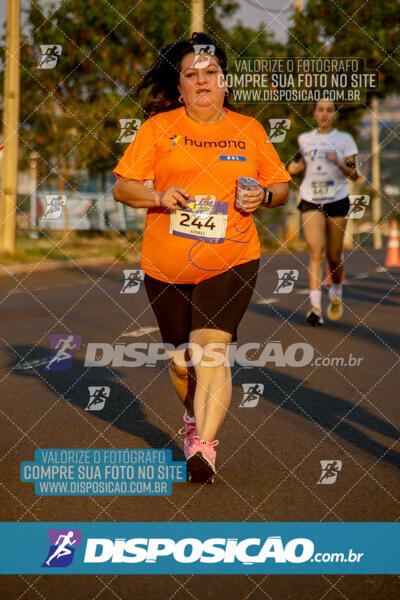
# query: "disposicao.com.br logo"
[[203, 547], [188, 550], [200, 547], [251, 354], [248, 551]]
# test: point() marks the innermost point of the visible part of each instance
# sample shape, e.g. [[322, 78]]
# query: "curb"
[[18, 269]]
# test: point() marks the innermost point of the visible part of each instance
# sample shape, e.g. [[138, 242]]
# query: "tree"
[[70, 113], [367, 31]]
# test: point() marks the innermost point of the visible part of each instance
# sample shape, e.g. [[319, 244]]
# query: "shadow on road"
[[124, 410], [372, 295], [326, 411], [390, 339]]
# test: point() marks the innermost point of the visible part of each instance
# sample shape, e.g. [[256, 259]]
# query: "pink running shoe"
[[200, 465], [188, 431]]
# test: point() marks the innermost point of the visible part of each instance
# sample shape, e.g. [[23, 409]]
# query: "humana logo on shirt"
[[220, 144]]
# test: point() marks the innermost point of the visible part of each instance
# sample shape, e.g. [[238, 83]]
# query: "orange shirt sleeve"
[[271, 168], [138, 159]]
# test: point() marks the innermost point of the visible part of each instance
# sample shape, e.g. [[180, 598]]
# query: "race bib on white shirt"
[[322, 191], [323, 181], [204, 219]]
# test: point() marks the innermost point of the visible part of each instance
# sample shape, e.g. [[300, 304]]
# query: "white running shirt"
[[323, 181]]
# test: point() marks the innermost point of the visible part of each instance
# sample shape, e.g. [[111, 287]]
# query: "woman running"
[[200, 253], [329, 157]]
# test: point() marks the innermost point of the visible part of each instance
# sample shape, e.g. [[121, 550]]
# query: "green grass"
[[56, 246], [78, 245]]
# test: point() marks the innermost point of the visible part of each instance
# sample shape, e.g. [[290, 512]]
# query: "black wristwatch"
[[267, 197]]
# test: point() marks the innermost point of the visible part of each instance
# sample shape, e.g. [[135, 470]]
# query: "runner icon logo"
[[63, 543], [251, 394], [201, 60], [129, 128], [175, 139], [133, 277], [358, 204], [54, 206], [279, 129], [286, 280], [330, 470], [50, 55], [97, 397], [62, 348]]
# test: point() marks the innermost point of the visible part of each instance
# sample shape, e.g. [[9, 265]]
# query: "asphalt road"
[[269, 454]]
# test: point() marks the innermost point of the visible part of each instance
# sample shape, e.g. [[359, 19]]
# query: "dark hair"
[[335, 107], [163, 76]]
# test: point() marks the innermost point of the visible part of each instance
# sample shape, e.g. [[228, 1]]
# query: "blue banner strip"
[[214, 548]]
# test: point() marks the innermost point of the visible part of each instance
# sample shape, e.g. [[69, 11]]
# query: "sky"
[[251, 13], [254, 12]]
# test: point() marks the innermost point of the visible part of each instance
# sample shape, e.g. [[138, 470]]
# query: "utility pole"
[[293, 217], [376, 173], [10, 130], [197, 16], [34, 183]]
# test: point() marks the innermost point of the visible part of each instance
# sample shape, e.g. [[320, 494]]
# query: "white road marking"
[[267, 301], [47, 288], [24, 365], [139, 332]]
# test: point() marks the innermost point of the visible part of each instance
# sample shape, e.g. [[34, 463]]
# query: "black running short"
[[216, 303], [338, 208]]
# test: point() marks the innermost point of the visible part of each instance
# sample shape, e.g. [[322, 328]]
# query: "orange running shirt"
[[206, 160]]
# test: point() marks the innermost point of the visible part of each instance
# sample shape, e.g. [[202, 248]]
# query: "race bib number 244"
[[204, 219]]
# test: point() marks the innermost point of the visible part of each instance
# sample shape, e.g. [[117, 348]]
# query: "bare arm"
[[134, 193], [350, 172], [296, 167], [280, 194]]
